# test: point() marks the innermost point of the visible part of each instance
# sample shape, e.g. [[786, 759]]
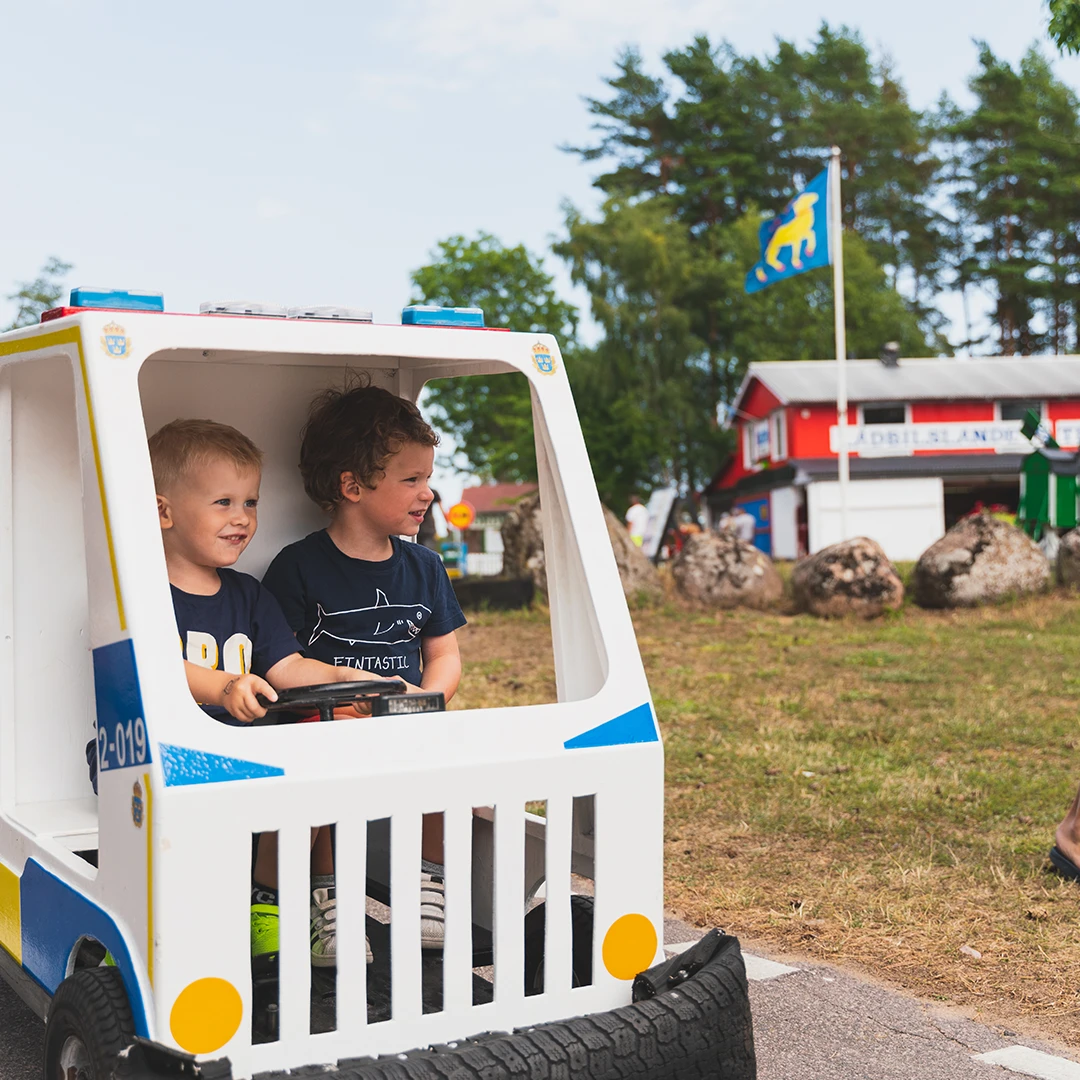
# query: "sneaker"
[[265, 930], [324, 927], [432, 910]]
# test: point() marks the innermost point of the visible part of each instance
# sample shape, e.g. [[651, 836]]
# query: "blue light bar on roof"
[[130, 299], [425, 315]]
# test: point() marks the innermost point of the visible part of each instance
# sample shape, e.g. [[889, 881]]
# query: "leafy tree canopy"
[[34, 297], [1014, 166], [490, 416], [689, 159], [650, 392], [741, 132], [1065, 24]]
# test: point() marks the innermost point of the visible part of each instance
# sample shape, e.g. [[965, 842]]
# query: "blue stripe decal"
[[635, 726], [183, 767], [54, 917]]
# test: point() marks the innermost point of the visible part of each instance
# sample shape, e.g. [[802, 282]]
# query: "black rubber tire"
[[701, 1030], [92, 1006], [581, 926]]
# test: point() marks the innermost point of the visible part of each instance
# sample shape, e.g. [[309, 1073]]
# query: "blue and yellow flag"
[[797, 239]]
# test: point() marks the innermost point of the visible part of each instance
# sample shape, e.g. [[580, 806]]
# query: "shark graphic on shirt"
[[381, 624]]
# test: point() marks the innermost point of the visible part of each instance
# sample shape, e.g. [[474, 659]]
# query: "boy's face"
[[210, 515], [398, 502]]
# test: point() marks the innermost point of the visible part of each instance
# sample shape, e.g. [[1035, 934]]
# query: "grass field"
[[875, 795]]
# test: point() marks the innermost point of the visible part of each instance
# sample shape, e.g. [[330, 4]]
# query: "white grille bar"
[[405, 987], [457, 955], [557, 943], [351, 877], [294, 898], [509, 900]]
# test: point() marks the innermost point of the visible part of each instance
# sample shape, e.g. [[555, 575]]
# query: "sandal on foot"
[[1064, 865]]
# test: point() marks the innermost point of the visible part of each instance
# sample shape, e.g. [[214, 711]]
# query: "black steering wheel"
[[326, 697]]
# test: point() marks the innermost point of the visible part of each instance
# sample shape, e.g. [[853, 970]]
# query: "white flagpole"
[[836, 243]]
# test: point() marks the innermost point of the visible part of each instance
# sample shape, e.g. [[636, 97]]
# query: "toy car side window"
[[47, 688]]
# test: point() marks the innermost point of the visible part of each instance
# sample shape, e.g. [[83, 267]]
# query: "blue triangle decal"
[[635, 726], [183, 766]]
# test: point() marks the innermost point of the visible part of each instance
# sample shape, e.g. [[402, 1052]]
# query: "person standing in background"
[[637, 518], [426, 535], [744, 523]]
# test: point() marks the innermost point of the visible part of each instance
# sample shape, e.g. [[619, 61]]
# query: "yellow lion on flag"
[[795, 234]]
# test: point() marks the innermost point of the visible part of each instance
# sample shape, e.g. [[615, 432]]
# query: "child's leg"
[[322, 852], [432, 901], [431, 846], [266, 861]]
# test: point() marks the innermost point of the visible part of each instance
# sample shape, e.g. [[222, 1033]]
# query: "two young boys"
[[350, 602]]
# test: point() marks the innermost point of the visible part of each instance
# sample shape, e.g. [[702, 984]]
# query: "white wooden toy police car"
[[124, 918]]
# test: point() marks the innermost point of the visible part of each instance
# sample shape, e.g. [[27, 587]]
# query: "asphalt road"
[[21, 1036], [810, 1021], [817, 1022]]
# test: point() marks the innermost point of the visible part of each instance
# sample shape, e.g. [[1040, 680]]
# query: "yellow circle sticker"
[[206, 1015], [461, 515], [629, 946]]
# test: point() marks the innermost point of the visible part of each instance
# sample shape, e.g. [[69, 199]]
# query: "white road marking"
[[679, 946], [1023, 1059], [757, 967]]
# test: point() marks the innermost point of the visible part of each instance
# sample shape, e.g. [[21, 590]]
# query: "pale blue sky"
[[314, 153]]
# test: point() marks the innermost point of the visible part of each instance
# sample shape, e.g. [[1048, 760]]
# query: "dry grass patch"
[[872, 794]]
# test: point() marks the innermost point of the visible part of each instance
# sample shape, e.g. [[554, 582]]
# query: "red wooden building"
[[928, 439]]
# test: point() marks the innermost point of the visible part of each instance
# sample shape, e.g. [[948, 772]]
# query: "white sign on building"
[[1067, 433], [883, 440]]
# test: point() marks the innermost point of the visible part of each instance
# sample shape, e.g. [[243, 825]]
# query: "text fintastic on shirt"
[[362, 614]]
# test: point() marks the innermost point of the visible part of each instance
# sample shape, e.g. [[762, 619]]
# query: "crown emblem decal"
[[114, 341], [542, 359]]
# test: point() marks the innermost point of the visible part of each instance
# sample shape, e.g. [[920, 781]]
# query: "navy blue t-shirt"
[[369, 615], [240, 629]]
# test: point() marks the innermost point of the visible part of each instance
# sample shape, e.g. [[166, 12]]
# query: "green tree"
[[837, 95], [490, 416], [793, 319], [690, 160], [646, 394], [722, 137], [1064, 26], [1015, 167], [650, 392], [743, 132], [34, 297]]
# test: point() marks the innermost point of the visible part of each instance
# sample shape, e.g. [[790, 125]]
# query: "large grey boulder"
[[854, 577], [1068, 560], [640, 579], [723, 571], [523, 552], [979, 560], [523, 542]]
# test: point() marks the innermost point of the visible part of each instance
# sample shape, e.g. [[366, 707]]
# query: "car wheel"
[[89, 1024], [581, 925]]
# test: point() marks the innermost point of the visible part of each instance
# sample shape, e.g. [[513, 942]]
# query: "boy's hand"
[[238, 697], [362, 709]]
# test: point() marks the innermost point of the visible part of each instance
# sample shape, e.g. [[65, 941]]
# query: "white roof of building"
[[954, 378]]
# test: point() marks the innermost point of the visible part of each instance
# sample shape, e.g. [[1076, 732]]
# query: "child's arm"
[[297, 670], [234, 693], [442, 664]]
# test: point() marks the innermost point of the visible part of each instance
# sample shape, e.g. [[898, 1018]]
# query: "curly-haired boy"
[[354, 593]]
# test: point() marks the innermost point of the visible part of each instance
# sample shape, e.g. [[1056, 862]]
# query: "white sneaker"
[[324, 929], [432, 911]]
